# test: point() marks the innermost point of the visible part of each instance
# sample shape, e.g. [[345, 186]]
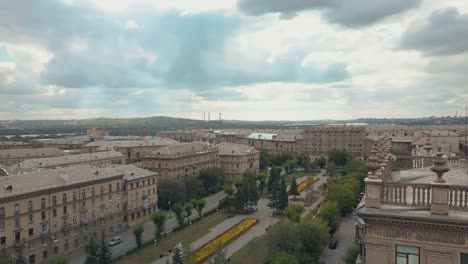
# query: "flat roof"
[[228, 149], [69, 159]]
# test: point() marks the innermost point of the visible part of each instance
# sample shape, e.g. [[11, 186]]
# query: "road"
[[79, 256], [345, 235]]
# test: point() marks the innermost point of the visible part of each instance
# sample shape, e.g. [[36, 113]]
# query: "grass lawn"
[[256, 251], [186, 236]]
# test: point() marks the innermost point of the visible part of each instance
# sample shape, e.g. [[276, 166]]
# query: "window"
[[464, 258], [43, 203], [43, 216], [31, 232], [64, 210], [30, 219], [30, 206], [54, 212], [92, 192], [2, 225], [118, 186], [407, 254], [2, 211], [74, 196], [3, 240], [16, 208], [64, 198], [54, 200]]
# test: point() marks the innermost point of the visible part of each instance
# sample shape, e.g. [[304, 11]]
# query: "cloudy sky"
[[249, 59]]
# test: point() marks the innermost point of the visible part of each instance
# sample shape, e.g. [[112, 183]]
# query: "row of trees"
[[97, 252], [209, 181], [301, 241], [285, 160], [183, 211]]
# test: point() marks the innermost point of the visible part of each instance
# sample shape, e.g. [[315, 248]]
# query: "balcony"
[[45, 234], [66, 227], [84, 221]]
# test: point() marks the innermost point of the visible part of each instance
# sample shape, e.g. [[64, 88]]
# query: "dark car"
[[333, 244]]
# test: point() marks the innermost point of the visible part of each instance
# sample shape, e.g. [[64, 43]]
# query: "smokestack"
[[204, 118], [209, 116], [219, 116]]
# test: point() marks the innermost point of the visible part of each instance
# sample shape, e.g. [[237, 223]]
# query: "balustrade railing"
[[406, 194], [458, 197]]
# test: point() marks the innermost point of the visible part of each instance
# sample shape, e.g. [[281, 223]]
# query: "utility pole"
[[466, 119]]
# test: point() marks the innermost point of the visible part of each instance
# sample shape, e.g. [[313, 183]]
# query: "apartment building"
[[97, 133], [420, 218], [181, 160], [66, 143], [133, 150], [189, 135], [236, 159], [14, 145], [320, 140], [10, 157], [99, 159], [54, 212]]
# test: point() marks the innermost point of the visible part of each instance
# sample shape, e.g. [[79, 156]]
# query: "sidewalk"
[[128, 243]]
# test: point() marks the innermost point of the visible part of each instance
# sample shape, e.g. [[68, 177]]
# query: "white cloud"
[[190, 6], [77, 45], [131, 24]]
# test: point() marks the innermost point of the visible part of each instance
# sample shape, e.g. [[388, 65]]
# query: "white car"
[[114, 241]]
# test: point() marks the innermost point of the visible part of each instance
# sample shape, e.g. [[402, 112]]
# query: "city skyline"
[[249, 59]]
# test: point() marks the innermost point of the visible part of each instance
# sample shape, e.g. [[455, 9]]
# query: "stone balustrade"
[[402, 194], [458, 197]]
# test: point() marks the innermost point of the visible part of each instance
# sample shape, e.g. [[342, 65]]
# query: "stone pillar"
[[373, 181], [440, 189]]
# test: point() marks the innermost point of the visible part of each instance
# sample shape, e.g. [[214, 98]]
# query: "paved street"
[[128, 243], [345, 235]]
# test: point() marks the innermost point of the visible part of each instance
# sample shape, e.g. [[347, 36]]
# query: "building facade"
[[181, 160], [10, 157], [320, 140], [134, 150], [237, 159], [421, 218], [99, 159], [14, 145], [55, 211]]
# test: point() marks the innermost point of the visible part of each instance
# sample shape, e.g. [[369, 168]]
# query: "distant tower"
[[219, 116], [204, 118], [209, 116]]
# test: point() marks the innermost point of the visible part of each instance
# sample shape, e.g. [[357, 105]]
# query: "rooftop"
[[184, 149], [33, 153], [13, 143], [70, 159], [114, 144], [235, 149], [42, 180]]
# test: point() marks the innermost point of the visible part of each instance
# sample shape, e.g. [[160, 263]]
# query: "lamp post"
[[156, 248]]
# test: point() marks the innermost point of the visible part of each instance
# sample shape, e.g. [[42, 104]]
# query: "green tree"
[[331, 214], [261, 178], [159, 221], [284, 258], [198, 205], [178, 209], [283, 196], [178, 256], [5, 257], [188, 207], [280, 158], [273, 178], [331, 170], [293, 212], [340, 158], [219, 256], [59, 259], [303, 160], [352, 252], [212, 179], [290, 166], [138, 232], [91, 249], [293, 187], [314, 236], [104, 253], [247, 193], [343, 195], [265, 160], [321, 162]]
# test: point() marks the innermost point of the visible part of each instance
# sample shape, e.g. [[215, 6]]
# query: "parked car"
[[333, 244], [115, 241]]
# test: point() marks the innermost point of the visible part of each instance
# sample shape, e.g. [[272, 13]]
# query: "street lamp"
[[156, 248]]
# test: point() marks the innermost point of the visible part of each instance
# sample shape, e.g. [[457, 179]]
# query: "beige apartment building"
[[422, 217], [14, 145], [181, 160], [320, 140], [10, 157], [66, 143], [99, 159], [133, 150], [236, 159], [97, 133], [55, 211]]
